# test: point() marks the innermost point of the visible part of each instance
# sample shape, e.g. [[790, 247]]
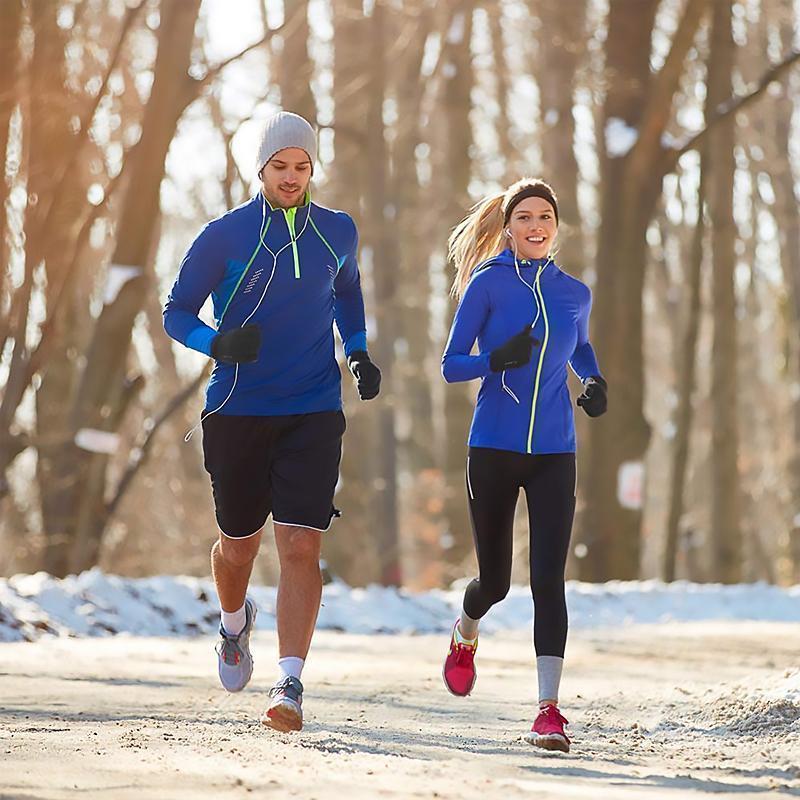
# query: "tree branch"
[[86, 120], [731, 106], [140, 451], [48, 326], [658, 106], [198, 84]]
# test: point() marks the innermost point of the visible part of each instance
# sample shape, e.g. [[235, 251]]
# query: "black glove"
[[239, 346], [516, 352], [594, 399], [367, 374]]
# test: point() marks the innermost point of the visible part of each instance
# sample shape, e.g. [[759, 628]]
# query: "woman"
[[530, 320]]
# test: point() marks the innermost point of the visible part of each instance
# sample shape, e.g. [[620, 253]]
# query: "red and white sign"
[[630, 484]]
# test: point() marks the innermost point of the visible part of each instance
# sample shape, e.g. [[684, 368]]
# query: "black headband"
[[526, 192]]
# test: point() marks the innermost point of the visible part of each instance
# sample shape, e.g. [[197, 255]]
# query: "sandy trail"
[[655, 712]]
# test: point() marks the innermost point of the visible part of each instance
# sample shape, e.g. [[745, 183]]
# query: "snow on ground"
[[96, 604]]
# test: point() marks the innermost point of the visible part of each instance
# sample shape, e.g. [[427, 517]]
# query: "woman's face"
[[533, 228]]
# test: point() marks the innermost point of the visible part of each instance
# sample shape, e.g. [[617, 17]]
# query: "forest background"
[[669, 129]]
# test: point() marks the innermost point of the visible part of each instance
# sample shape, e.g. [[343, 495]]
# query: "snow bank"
[[96, 604], [753, 708]]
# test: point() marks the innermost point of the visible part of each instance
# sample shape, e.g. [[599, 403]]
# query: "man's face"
[[286, 176]]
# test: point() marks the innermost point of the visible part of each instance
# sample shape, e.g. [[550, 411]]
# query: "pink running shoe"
[[459, 667], [548, 730]]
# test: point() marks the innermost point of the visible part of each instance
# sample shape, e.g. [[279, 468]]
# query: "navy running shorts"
[[287, 466]]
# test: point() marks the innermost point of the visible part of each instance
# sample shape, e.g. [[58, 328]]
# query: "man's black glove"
[[516, 352], [367, 374], [594, 399], [239, 346]]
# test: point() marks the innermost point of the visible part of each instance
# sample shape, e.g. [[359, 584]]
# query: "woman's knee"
[[494, 589]]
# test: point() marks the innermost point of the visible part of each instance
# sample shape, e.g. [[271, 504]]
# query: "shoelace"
[[288, 688], [464, 653], [554, 715], [229, 651]]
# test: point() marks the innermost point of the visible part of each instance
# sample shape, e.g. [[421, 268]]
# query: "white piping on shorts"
[[308, 527], [236, 538]]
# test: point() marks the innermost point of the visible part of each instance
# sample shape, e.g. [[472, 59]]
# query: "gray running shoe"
[[235, 660], [285, 712]]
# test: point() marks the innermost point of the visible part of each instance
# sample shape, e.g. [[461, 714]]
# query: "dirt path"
[[656, 712]]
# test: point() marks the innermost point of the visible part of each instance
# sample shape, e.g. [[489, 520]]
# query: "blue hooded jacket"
[[313, 282], [527, 409]]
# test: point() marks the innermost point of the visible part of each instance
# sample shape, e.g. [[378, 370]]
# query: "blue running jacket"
[[313, 282], [527, 409]]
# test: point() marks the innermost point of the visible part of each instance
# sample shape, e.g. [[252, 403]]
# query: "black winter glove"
[[367, 374], [594, 400], [516, 352], [239, 346]]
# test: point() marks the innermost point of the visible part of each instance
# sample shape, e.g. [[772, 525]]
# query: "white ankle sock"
[[291, 666], [234, 621], [549, 670]]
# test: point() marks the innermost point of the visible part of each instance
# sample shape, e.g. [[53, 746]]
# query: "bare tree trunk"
[[381, 234], [726, 532], [295, 68], [104, 392], [502, 72], [10, 26], [354, 558], [784, 180], [562, 45], [631, 180], [686, 386], [611, 531], [417, 363], [49, 141], [456, 166]]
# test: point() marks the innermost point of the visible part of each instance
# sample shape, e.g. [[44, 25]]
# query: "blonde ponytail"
[[477, 237]]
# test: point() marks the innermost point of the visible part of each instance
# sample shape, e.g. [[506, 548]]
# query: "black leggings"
[[494, 478]]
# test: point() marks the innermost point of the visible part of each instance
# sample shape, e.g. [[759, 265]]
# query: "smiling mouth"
[[535, 239]]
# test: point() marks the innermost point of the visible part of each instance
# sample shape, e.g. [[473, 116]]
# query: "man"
[[280, 270]]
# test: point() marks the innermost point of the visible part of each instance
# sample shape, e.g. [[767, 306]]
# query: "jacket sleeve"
[[201, 270], [471, 314], [583, 360], [348, 303]]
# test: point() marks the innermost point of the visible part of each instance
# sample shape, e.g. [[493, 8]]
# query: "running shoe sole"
[[283, 717], [549, 741]]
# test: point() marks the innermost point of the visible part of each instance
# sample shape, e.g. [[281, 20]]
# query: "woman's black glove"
[[239, 346], [367, 374], [516, 352], [594, 399]]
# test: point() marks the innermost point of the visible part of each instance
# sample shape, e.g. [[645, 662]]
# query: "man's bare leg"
[[231, 564], [299, 588], [299, 595]]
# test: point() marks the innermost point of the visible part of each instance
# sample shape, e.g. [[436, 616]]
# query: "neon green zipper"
[[290, 214], [538, 289]]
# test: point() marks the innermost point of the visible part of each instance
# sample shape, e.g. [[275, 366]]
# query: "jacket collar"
[[506, 258], [306, 200]]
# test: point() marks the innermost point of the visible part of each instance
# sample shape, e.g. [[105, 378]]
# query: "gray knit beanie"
[[283, 130]]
